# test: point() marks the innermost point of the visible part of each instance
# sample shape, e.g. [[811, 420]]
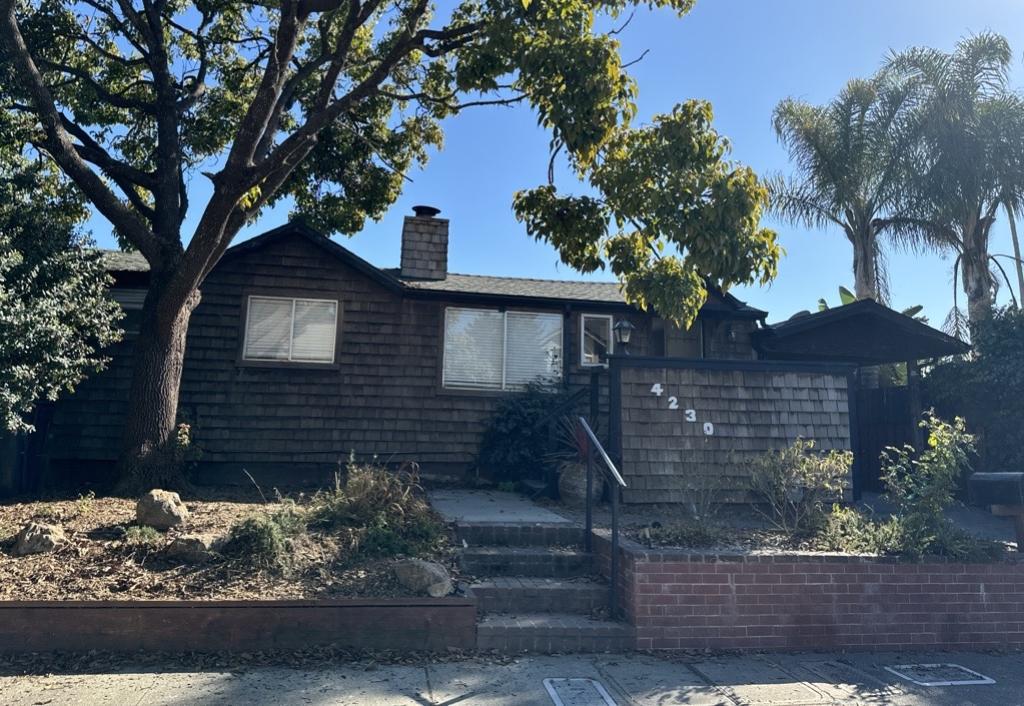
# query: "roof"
[[459, 286], [863, 332]]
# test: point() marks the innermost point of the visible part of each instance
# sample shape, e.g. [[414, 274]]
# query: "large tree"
[[55, 314], [969, 157], [329, 102], [850, 160]]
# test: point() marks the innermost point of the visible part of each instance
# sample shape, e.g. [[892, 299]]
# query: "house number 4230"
[[689, 415]]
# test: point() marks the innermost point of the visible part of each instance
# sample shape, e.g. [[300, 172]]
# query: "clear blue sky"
[[743, 56]]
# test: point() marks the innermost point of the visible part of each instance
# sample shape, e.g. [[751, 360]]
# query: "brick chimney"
[[425, 244]]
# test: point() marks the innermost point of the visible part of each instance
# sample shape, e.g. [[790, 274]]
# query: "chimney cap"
[[425, 211]]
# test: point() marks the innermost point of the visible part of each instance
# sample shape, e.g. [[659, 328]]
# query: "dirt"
[[98, 561]]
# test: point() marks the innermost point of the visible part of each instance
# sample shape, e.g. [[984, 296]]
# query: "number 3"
[[673, 403], [691, 415]]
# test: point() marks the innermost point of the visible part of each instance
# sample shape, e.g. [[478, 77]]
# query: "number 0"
[[709, 428]]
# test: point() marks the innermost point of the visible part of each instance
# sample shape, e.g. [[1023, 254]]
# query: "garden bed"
[[102, 560]]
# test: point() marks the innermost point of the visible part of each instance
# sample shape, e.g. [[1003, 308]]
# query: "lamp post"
[[623, 331]]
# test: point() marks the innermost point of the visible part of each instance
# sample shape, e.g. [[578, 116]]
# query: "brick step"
[[545, 562], [551, 632], [509, 594], [512, 534]]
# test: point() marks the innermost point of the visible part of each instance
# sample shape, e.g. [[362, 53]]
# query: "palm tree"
[[849, 156], [970, 152]]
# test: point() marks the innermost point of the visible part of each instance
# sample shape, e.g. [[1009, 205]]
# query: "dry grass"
[[102, 560]]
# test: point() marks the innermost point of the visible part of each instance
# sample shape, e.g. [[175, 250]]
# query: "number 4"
[[656, 389]]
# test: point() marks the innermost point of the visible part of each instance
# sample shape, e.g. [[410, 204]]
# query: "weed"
[[266, 539], [143, 536]]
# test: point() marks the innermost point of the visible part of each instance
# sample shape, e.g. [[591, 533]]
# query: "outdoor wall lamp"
[[623, 331]]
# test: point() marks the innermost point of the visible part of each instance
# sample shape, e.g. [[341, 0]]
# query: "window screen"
[[493, 350], [287, 329], [596, 335]]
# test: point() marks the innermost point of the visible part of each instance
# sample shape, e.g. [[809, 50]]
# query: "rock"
[[38, 538], [160, 509], [192, 548], [424, 577]]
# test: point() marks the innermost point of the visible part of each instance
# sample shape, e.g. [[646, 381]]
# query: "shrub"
[[987, 389], [514, 442], [142, 536], [377, 512], [689, 534], [796, 485], [266, 539]]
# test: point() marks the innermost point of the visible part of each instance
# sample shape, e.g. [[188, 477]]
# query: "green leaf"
[[846, 296]]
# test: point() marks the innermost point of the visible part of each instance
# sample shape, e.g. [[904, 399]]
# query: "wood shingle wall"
[[737, 414]]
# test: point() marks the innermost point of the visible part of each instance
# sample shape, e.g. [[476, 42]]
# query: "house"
[[301, 353]]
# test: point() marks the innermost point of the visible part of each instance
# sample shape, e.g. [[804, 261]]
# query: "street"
[[792, 679]]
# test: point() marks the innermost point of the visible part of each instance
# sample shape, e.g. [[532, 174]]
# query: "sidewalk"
[[629, 680]]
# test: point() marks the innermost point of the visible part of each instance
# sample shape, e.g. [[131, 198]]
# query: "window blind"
[[474, 342], [287, 329], [492, 350]]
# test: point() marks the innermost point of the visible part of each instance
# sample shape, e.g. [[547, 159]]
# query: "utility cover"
[[578, 692], [939, 674]]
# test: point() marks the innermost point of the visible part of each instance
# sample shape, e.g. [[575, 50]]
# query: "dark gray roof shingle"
[[604, 292], [118, 261]]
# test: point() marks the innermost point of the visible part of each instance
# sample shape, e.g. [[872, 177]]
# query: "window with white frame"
[[290, 329], [595, 339], [485, 349]]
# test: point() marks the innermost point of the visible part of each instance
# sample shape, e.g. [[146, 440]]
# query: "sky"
[[742, 55]]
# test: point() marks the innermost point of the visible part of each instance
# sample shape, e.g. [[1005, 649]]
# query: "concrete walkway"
[[628, 680], [471, 506]]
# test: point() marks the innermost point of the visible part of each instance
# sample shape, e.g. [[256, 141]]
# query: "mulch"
[[98, 562]]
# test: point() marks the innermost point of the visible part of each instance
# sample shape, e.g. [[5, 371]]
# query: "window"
[[493, 350], [131, 301], [595, 339], [291, 330]]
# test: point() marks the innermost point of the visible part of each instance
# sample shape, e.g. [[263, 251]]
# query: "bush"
[[987, 389], [689, 534], [513, 442], [266, 539], [377, 512], [796, 485], [142, 536], [921, 489]]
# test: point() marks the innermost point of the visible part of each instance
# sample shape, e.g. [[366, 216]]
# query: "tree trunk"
[[977, 284], [1012, 217], [865, 275], [149, 459]]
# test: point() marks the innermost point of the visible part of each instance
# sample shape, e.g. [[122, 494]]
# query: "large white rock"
[[38, 538], [422, 576], [160, 509]]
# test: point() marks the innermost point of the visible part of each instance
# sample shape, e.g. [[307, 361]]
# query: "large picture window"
[[494, 350], [287, 329], [595, 339]]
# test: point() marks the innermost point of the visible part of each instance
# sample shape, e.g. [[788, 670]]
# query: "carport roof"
[[864, 332]]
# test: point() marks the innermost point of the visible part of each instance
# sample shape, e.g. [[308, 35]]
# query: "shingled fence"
[[681, 426]]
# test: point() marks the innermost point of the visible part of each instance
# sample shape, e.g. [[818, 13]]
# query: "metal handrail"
[[612, 472]]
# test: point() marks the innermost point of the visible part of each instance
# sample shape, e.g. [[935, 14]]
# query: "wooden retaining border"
[[690, 599], [400, 624]]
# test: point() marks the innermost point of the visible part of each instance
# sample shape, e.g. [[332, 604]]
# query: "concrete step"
[[510, 594], [517, 534], [545, 562], [551, 632]]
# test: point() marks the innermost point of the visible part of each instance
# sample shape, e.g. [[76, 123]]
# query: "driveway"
[[795, 679]]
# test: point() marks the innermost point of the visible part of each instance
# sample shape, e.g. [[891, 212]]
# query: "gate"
[[883, 419]]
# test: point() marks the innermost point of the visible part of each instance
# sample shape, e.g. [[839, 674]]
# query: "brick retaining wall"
[[679, 599]]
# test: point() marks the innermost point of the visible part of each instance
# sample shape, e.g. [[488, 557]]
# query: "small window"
[[595, 339], [494, 350], [131, 301], [291, 330]]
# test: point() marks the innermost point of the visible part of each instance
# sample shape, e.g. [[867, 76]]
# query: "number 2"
[[656, 389], [673, 403]]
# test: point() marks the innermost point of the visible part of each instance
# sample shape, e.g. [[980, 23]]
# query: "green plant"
[[85, 502], [142, 536], [692, 534], [516, 440], [794, 486], [266, 539], [377, 512]]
